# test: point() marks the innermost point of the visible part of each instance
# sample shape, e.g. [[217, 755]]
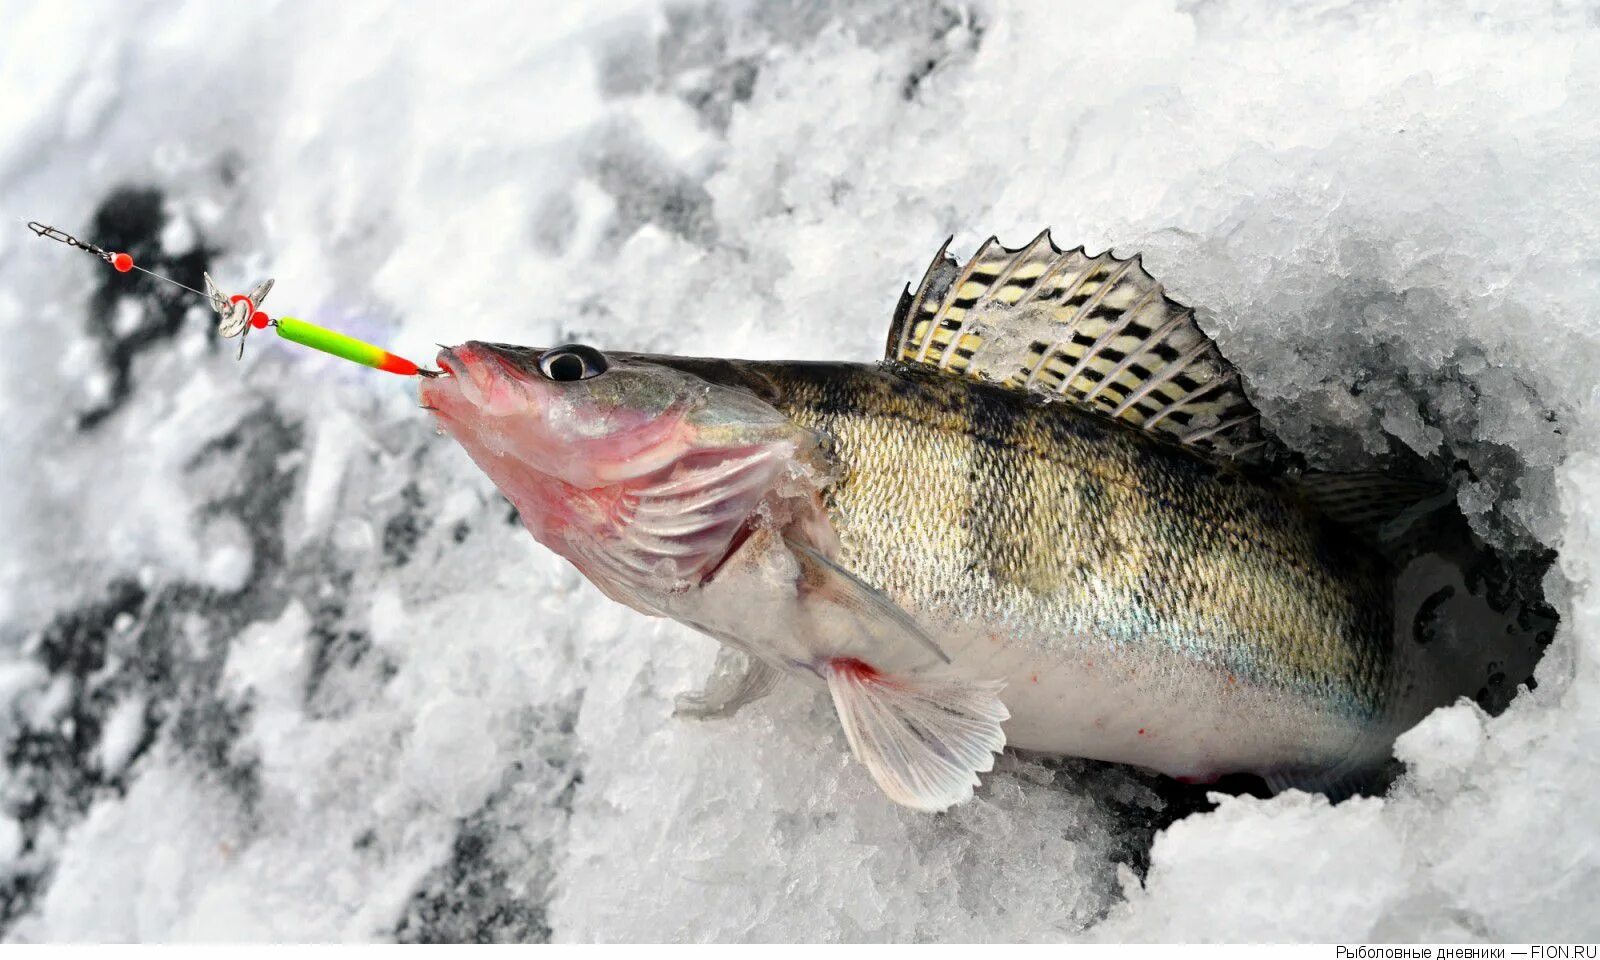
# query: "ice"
[[178, 236], [275, 662], [453, 759], [120, 738], [1273, 873], [10, 839], [1439, 751]]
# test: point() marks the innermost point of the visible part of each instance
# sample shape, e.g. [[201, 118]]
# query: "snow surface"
[[274, 663]]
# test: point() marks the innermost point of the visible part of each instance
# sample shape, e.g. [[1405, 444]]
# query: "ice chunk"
[[1284, 882], [1443, 747], [453, 759], [120, 735], [11, 839]]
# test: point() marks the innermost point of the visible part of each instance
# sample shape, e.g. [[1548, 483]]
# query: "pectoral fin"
[[922, 735], [736, 680], [923, 739], [856, 618]]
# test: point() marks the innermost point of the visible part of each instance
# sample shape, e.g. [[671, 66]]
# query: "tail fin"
[[1469, 621], [1385, 509]]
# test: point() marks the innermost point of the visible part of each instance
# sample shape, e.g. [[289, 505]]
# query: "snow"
[[284, 670], [1282, 883], [120, 738], [453, 759]]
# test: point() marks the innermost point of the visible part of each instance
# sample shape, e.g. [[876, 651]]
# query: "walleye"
[[1050, 518]]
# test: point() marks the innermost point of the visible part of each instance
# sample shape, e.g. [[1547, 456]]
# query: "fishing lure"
[[238, 313]]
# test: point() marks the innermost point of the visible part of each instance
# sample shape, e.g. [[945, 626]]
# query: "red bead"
[[122, 262], [259, 320]]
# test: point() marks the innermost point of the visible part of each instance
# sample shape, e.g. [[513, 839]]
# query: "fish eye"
[[572, 361]]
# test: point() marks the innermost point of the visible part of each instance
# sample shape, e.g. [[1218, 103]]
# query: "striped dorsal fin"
[[1095, 331]]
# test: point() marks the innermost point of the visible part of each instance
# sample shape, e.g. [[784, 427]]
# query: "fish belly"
[[1085, 697]]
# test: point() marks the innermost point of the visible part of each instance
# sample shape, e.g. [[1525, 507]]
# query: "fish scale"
[[967, 504]]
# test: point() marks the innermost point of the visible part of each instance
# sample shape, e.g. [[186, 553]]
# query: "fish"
[[1050, 518]]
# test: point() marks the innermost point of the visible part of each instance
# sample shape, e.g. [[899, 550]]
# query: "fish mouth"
[[449, 363], [477, 380], [478, 376], [440, 394], [459, 391]]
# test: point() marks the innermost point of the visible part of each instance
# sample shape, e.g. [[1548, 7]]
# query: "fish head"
[[643, 474], [570, 414]]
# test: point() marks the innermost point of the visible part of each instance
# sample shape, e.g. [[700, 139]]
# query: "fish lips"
[[476, 380]]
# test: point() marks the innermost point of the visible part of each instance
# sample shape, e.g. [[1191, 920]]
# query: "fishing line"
[[240, 312], [158, 276]]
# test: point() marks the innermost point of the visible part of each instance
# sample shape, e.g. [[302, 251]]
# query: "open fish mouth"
[[445, 370], [482, 378], [451, 364]]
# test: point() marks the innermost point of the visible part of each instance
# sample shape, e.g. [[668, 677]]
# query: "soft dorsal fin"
[[1096, 331]]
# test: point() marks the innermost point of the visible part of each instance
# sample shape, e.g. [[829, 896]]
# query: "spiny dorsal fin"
[[1096, 331]]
